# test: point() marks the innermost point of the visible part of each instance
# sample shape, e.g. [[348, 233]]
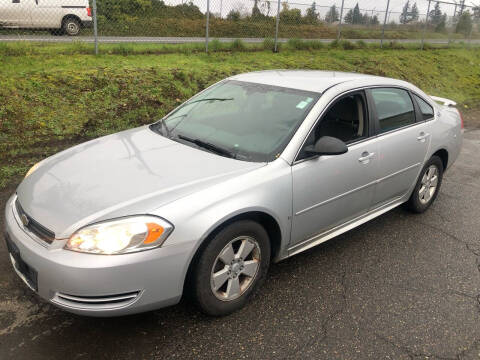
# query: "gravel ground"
[[400, 286]]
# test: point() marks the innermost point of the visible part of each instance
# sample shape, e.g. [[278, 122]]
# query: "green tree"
[[290, 16], [357, 17], [405, 15], [442, 24], [374, 20], [233, 15], [348, 17], [256, 13], [311, 17], [414, 13], [435, 16], [464, 24], [332, 15]]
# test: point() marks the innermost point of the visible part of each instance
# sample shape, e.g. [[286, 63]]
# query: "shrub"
[[215, 45], [347, 45], [295, 44], [361, 44], [237, 45], [269, 44]]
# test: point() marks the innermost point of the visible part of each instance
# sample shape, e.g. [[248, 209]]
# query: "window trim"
[[414, 94], [370, 121], [378, 132]]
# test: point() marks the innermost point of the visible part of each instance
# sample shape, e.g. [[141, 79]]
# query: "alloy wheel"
[[235, 268], [429, 184]]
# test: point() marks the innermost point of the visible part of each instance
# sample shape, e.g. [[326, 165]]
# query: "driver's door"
[[331, 190]]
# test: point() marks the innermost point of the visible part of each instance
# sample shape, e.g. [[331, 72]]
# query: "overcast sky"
[[374, 6]]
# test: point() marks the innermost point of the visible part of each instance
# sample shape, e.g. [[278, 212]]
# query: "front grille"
[[33, 226], [104, 302], [26, 273]]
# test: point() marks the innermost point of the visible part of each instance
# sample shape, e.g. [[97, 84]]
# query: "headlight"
[[120, 236]]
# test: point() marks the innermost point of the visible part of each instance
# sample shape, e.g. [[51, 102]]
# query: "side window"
[[394, 108], [346, 120], [425, 108]]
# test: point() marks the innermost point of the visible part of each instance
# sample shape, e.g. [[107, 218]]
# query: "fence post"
[[207, 25], [384, 24], [95, 29], [426, 24], [277, 20], [340, 22]]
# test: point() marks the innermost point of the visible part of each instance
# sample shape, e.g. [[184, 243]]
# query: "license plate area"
[[23, 270]]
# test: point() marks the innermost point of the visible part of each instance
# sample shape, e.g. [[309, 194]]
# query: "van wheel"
[[71, 26], [231, 268]]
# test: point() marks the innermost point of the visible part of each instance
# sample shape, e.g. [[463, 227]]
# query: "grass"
[[53, 96]]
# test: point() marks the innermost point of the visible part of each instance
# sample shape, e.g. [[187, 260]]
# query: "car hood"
[[131, 172]]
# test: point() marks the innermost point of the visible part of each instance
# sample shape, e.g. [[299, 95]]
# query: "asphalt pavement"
[[182, 40], [402, 286]]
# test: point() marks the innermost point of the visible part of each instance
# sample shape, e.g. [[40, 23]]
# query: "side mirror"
[[327, 145]]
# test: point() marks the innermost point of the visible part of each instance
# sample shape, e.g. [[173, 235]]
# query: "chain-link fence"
[[250, 20]]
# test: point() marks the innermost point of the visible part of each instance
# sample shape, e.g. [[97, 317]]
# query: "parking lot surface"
[[401, 286]]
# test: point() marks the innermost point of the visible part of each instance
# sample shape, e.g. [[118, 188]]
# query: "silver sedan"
[[252, 170]]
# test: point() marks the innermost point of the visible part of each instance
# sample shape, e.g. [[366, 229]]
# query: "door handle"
[[422, 136], [366, 156]]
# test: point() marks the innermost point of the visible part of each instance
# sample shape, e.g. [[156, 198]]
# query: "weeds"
[[238, 45]]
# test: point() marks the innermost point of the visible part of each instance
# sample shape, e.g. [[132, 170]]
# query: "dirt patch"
[[471, 118]]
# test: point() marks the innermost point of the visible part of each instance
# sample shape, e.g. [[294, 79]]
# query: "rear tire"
[[231, 268], [71, 26], [427, 187]]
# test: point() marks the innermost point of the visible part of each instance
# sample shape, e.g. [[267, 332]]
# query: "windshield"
[[246, 121]]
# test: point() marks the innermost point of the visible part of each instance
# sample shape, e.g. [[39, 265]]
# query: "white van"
[[58, 16]]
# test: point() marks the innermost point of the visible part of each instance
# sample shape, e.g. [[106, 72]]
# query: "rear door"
[[403, 140], [15, 13]]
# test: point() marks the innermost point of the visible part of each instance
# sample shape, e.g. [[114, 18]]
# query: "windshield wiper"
[[209, 99], [211, 147]]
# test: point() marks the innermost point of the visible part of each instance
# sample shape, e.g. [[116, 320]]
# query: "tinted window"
[[252, 121], [394, 108], [425, 108]]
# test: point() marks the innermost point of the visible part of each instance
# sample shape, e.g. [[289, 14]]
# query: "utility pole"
[[207, 25], [340, 23], [384, 24], [426, 24], [95, 28], [276, 27]]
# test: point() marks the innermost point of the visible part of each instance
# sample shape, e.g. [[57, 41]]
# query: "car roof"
[[310, 80]]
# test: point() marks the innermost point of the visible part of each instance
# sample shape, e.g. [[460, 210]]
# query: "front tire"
[[71, 27], [231, 268], [427, 187]]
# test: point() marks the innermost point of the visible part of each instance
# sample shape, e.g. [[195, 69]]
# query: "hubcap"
[[72, 28], [235, 268], [429, 184]]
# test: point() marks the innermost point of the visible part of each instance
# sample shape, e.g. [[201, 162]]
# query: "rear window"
[[425, 108], [394, 108]]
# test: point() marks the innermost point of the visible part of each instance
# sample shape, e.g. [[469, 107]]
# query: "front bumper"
[[97, 285]]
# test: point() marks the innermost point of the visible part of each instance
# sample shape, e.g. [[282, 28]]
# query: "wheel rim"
[[235, 268], [72, 27], [429, 184]]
